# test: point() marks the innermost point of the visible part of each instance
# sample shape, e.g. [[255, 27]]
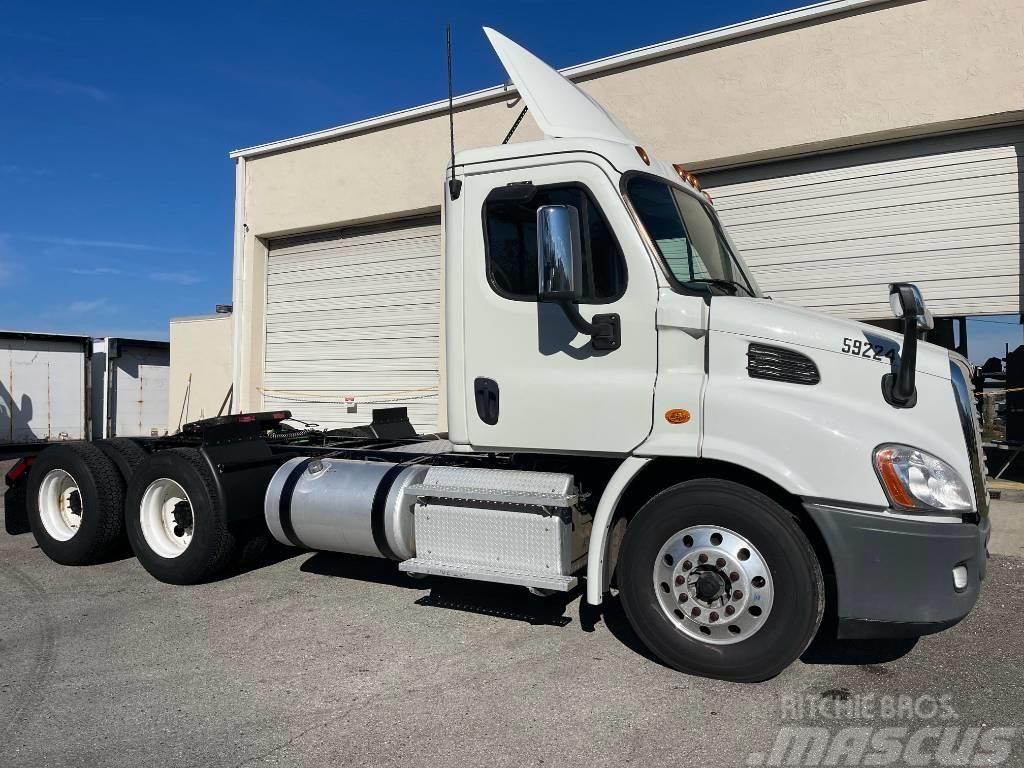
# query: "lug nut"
[[684, 597], [695, 612], [734, 576], [680, 580], [687, 565], [720, 562], [702, 559], [713, 616], [737, 595], [729, 610]]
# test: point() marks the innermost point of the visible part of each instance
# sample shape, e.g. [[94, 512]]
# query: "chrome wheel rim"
[[165, 513], [713, 585], [60, 504]]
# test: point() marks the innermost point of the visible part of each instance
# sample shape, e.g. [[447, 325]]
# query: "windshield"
[[687, 236]]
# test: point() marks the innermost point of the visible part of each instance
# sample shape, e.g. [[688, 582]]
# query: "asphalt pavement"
[[321, 659]]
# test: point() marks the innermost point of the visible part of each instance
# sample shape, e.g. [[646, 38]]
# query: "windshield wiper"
[[722, 283]]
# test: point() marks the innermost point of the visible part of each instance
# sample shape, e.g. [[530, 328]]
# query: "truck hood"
[[792, 326]]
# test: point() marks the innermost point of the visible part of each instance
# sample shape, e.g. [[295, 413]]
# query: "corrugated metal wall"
[[355, 313], [830, 232]]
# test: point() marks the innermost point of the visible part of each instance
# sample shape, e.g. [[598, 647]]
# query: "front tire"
[[176, 518], [718, 580], [75, 496]]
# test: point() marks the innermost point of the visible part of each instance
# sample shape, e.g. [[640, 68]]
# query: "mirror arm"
[[578, 321], [605, 331], [899, 389]]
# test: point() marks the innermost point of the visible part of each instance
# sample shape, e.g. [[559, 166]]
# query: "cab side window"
[[511, 239]]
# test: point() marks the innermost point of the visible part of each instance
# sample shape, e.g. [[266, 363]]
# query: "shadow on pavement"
[[826, 649], [500, 600], [614, 616], [370, 569]]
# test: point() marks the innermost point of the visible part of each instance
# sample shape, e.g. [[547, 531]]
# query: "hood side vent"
[[778, 364]]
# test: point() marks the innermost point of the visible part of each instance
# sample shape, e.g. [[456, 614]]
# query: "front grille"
[[967, 408], [778, 364]]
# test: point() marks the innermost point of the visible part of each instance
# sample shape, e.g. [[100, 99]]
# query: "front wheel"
[[718, 580]]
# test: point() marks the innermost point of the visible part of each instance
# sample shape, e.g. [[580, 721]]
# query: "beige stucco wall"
[[891, 71], [200, 350]]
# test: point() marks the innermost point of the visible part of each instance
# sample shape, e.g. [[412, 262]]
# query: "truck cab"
[[596, 306]]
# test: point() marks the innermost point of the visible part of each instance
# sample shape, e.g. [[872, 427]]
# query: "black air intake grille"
[[777, 364]]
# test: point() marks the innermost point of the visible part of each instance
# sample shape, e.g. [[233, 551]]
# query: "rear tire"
[[126, 454], [75, 502], [718, 580], [176, 518]]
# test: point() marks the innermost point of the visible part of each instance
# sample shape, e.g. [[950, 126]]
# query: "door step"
[[553, 582]]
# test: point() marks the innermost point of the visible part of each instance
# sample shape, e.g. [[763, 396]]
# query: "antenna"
[[454, 185]]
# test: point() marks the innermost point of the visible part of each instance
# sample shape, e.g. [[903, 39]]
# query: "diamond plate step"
[[481, 573]]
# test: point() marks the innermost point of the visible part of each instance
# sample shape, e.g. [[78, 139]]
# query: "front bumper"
[[894, 576]]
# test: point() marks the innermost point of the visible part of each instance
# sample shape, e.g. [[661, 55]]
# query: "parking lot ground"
[[328, 660]]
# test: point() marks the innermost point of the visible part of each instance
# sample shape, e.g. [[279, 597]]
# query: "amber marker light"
[[677, 416], [688, 177], [643, 155], [884, 460]]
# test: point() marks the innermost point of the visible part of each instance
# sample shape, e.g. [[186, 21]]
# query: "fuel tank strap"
[[377, 509], [285, 505]]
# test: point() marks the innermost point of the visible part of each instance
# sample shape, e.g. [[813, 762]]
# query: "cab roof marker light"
[[643, 155], [688, 177]]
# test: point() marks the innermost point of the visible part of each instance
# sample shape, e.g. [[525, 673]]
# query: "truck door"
[[532, 381]]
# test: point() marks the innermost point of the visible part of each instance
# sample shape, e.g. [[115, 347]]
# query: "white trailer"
[[627, 411], [44, 379], [129, 387]]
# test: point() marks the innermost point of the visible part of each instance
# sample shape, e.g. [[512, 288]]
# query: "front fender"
[[597, 551], [818, 440]]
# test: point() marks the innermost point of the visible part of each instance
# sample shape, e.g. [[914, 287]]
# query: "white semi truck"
[[626, 410]]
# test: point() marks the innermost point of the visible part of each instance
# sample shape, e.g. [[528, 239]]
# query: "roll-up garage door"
[[830, 232], [353, 323]]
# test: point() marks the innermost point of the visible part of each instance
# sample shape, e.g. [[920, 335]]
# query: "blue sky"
[[116, 120]]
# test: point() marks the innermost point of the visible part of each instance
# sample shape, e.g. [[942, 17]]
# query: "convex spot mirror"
[[906, 302]]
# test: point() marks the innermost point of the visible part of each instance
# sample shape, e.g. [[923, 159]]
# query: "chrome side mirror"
[[906, 301], [559, 253], [899, 387], [560, 274]]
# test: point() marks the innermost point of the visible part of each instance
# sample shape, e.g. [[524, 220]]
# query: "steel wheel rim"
[[697, 559], [166, 515], [60, 504]]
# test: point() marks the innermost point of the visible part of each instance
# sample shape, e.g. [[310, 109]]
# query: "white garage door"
[[831, 232], [353, 323]]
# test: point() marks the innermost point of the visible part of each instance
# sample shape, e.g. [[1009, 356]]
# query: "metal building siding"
[[831, 232], [355, 312]]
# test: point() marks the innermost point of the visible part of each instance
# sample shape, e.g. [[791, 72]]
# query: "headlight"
[[916, 480]]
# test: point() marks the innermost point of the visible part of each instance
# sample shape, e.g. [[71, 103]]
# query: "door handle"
[[486, 391]]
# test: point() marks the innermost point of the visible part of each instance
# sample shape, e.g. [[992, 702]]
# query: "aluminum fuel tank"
[[342, 505]]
